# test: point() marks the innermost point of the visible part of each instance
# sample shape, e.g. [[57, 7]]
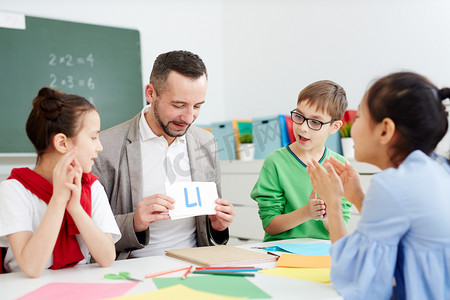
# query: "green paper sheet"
[[217, 284]]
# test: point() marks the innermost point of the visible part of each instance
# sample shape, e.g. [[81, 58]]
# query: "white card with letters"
[[192, 198]]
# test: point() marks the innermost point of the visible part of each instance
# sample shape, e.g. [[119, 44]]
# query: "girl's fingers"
[[331, 171], [69, 157], [318, 172], [70, 186], [339, 166]]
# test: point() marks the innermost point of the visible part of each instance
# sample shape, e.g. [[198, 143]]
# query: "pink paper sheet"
[[76, 291]]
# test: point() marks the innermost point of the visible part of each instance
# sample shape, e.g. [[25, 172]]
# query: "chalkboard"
[[102, 64]]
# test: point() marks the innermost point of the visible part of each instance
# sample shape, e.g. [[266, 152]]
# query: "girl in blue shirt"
[[403, 231]]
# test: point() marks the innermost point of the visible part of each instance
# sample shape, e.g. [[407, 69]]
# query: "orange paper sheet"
[[304, 261], [321, 275]]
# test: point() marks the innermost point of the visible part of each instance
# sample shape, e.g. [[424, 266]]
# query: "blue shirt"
[[404, 232]]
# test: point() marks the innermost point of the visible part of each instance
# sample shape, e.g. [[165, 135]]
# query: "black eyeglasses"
[[312, 123]]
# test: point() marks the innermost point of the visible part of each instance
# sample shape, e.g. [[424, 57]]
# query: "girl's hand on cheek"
[[63, 173], [75, 187]]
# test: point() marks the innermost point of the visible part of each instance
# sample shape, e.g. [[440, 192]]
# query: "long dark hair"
[[415, 106]]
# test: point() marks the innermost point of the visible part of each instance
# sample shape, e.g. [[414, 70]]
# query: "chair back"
[[2, 258]]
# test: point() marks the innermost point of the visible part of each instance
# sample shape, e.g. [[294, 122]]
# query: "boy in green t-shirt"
[[288, 206]]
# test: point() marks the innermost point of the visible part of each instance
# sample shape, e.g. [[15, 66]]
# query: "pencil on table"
[[224, 273], [187, 273], [212, 268], [166, 272], [230, 269], [274, 254]]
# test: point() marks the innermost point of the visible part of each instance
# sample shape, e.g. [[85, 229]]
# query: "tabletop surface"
[[14, 285]]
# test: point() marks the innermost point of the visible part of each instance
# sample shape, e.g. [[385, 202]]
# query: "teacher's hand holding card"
[[200, 198]]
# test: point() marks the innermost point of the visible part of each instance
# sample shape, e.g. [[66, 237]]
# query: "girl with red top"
[[57, 215]]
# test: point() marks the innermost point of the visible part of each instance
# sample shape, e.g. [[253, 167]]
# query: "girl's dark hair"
[[54, 112], [415, 106]]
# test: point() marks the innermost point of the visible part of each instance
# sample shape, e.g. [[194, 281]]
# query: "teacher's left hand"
[[224, 215]]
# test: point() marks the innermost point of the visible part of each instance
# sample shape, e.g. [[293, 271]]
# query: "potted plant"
[[345, 131], [246, 146]]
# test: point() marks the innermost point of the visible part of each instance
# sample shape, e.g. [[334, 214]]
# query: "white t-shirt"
[[21, 210], [162, 163]]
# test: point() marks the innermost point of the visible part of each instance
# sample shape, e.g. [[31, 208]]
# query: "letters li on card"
[[192, 199]]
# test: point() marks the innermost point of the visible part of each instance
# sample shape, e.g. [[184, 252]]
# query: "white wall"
[[273, 49], [261, 53], [194, 25]]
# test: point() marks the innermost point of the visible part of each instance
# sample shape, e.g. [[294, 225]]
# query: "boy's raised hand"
[[317, 207]]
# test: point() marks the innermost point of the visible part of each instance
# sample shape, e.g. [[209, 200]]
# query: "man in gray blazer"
[[161, 145]]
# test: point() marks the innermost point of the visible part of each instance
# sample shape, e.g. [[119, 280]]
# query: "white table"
[[17, 284]]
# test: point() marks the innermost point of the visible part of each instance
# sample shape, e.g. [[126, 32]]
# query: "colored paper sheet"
[[312, 274], [178, 291], [273, 248], [307, 249], [76, 291], [192, 199], [216, 284], [304, 261], [12, 20]]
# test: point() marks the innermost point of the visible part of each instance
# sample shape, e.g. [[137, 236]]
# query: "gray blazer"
[[119, 169]]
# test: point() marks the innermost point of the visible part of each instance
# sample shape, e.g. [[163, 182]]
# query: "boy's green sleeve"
[[346, 209], [268, 194]]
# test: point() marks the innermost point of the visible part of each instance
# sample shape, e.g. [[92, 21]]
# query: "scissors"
[[121, 275]]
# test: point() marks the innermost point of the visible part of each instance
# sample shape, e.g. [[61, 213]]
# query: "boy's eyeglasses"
[[312, 123]]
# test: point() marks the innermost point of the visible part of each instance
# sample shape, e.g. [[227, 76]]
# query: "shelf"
[[254, 166]]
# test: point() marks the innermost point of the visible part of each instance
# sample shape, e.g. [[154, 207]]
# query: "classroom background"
[[261, 53]]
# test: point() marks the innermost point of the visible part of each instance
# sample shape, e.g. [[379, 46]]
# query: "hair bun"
[[444, 93], [48, 102]]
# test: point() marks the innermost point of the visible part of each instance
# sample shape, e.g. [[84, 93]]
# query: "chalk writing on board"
[[70, 61], [80, 50], [65, 63], [70, 82]]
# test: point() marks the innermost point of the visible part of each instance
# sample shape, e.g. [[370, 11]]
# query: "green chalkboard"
[[102, 64]]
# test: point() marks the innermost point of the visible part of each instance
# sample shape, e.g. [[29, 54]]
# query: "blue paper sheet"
[[306, 249]]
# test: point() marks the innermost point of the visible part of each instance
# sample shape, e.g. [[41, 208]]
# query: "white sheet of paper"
[[192, 198], [12, 20]]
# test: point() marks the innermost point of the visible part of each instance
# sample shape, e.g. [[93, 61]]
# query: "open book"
[[216, 256]]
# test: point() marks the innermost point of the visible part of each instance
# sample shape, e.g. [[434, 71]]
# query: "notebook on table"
[[223, 255]]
